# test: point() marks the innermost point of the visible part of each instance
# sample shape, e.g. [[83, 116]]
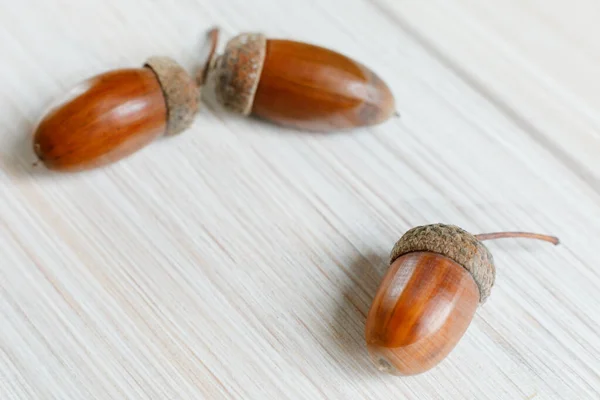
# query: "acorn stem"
[[503, 235], [213, 37]]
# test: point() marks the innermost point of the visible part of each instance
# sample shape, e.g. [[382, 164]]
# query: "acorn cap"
[[235, 74], [180, 91], [455, 243]]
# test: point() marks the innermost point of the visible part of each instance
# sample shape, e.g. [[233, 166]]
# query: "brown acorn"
[[438, 276], [297, 85], [112, 115]]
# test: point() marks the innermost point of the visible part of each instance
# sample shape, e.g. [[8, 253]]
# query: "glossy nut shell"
[[102, 120], [424, 305], [316, 89]]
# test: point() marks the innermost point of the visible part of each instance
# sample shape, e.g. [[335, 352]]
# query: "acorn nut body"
[[298, 85], [438, 276], [112, 115]]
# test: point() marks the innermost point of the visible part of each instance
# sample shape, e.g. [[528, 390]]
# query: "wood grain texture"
[[102, 120], [316, 89], [422, 308], [239, 260]]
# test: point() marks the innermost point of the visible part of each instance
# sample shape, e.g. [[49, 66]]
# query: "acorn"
[[112, 115], [296, 84], [438, 275]]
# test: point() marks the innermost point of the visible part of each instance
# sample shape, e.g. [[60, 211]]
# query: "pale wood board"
[[238, 260]]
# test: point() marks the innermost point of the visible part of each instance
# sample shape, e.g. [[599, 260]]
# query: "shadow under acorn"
[[348, 330]]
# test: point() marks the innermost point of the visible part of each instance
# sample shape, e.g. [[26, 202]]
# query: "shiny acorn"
[[296, 84], [112, 115], [438, 276]]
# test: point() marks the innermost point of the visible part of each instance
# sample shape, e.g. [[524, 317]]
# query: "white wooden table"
[[239, 260]]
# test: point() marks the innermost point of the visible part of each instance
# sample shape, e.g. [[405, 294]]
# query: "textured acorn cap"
[[234, 75], [455, 243], [180, 91]]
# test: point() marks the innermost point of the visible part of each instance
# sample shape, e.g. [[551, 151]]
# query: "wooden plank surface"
[[238, 260]]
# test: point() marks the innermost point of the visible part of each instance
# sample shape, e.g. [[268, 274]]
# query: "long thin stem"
[[213, 37], [502, 235]]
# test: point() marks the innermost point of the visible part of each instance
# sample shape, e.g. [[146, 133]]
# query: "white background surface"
[[238, 260]]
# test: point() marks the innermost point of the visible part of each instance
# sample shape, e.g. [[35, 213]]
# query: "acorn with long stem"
[[438, 275]]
